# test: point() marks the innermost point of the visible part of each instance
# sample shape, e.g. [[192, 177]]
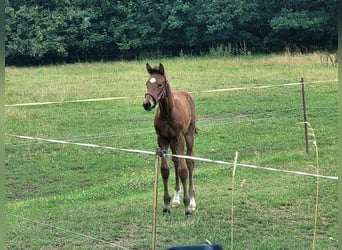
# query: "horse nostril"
[[147, 106]]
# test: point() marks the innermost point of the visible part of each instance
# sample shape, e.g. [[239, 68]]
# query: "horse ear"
[[161, 69], [149, 68]]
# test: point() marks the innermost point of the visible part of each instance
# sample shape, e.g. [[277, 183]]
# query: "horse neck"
[[166, 104]]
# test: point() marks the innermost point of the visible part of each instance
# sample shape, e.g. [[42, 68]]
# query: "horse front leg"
[[165, 173], [182, 171]]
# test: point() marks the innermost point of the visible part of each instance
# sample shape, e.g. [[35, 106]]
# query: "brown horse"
[[174, 123]]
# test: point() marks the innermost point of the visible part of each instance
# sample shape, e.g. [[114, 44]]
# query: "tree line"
[[54, 31]]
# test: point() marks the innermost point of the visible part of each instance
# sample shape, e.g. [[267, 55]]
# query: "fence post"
[[305, 120], [155, 202]]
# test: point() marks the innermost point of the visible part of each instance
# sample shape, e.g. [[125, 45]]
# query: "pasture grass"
[[62, 196]]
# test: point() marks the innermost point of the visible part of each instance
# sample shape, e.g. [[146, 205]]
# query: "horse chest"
[[167, 128]]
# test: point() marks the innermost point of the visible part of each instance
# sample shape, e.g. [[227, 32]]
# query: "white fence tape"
[[192, 92], [72, 101], [180, 156]]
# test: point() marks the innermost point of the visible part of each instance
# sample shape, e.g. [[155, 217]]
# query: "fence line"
[[72, 101], [204, 121], [179, 156], [191, 92]]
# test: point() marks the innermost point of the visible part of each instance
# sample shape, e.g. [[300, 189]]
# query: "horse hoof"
[[166, 212], [175, 204], [188, 215]]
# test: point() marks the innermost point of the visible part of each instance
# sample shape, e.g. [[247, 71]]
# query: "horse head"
[[156, 86]]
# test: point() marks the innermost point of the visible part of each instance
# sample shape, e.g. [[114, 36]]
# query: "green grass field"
[[64, 196]]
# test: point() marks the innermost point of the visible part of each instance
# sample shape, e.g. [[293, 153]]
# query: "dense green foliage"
[[64, 30]]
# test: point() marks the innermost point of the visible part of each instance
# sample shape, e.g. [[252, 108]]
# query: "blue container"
[[196, 247]]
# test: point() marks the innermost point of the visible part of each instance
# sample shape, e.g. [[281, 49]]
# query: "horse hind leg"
[[183, 175], [191, 186], [190, 165]]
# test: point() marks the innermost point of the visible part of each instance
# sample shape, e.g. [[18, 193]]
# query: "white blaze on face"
[[152, 80]]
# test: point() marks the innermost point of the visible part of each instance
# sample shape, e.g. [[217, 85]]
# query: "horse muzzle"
[[148, 106], [149, 102]]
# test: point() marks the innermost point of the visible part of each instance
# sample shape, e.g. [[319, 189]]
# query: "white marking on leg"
[[176, 199], [192, 203]]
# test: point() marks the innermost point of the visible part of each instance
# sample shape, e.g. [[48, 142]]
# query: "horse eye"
[[160, 85]]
